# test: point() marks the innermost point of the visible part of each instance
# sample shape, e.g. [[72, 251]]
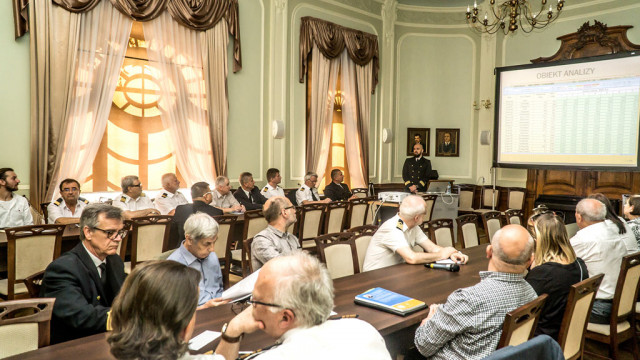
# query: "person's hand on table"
[[214, 302], [459, 257]]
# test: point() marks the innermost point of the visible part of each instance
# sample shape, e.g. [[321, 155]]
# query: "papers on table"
[[198, 342], [389, 301], [241, 290]]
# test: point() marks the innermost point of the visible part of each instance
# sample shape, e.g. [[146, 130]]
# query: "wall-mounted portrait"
[[418, 136], [447, 142]]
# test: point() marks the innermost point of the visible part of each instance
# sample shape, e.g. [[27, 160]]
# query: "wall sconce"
[[483, 103]]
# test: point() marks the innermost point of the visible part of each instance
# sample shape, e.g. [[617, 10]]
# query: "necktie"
[[313, 196], [103, 274], [250, 197]]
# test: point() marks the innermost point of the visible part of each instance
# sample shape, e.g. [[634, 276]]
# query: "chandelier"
[[513, 14]]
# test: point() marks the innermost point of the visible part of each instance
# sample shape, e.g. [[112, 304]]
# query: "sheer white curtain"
[[324, 76], [103, 35], [177, 52]]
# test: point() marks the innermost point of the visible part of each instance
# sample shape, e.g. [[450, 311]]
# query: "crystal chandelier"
[[513, 14]]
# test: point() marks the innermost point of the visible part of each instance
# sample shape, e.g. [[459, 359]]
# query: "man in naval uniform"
[[133, 202], [272, 188], [68, 208], [308, 193], [166, 201], [416, 171]]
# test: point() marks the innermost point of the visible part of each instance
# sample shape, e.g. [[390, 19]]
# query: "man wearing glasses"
[[275, 240], [68, 208], [133, 201], [202, 197], [291, 302], [86, 279], [308, 193]]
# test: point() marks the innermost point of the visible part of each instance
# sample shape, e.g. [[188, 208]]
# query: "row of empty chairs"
[[489, 198]]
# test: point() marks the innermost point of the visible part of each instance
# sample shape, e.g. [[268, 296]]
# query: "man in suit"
[[202, 197], [337, 191], [248, 194], [447, 147], [416, 171], [86, 279]]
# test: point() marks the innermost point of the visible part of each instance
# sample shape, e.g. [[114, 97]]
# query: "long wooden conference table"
[[430, 286]]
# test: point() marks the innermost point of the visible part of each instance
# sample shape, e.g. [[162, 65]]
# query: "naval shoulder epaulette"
[[123, 199], [265, 189], [400, 224], [164, 195], [57, 202], [83, 200]]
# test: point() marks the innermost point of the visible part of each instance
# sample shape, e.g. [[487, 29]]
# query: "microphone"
[[448, 267]]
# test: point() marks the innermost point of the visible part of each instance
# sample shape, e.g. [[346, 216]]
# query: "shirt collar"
[[245, 191], [279, 233], [97, 262], [484, 275], [187, 255]]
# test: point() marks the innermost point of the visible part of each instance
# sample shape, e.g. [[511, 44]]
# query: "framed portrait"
[[448, 142], [415, 136]]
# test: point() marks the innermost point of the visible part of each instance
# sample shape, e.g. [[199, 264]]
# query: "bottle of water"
[[449, 188]]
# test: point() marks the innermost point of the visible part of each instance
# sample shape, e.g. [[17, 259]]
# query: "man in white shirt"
[[132, 201], [601, 247], [14, 209], [68, 208], [292, 300], [223, 199], [308, 193], [394, 241], [166, 201], [272, 188]]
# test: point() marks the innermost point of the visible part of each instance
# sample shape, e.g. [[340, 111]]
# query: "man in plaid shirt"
[[469, 324]]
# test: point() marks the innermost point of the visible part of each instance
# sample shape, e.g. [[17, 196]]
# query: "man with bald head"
[[167, 200], [602, 248], [275, 240], [469, 324], [394, 241], [416, 171]]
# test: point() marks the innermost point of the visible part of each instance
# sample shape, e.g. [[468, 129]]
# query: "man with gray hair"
[[275, 241], [308, 193], [197, 251], [292, 300], [133, 201], [468, 325], [248, 194], [201, 196], [223, 199], [602, 248], [86, 279], [394, 241], [166, 201]]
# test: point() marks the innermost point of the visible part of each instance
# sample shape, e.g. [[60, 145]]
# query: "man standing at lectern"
[[416, 171]]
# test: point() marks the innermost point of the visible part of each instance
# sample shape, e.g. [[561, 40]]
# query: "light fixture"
[[484, 103], [512, 15], [339, 100]]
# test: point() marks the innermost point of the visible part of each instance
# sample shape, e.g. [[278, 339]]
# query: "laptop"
[[437, 186]]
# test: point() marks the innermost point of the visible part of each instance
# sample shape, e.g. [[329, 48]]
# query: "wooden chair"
[[357, 212], [149, 237], [441, 232], [124, 244], [486, 198], [247, 266], [468, 230], [226, 225], [254, 222], [45, 212], [38, 219], [515, 197], [466, 193], [425, 227], [30, 249], [576, 316], [622, 326], [514, 216], [311, 221], [364, 229], [360, 192], [34, 283], [335, 217], [492, 221], [338, 252], [362, 241], [520, 324], [371, 211], [431, 203], [24, 325]]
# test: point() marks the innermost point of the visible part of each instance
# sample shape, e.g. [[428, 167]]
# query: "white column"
[[277, 93], [386, 79], [485, 116]]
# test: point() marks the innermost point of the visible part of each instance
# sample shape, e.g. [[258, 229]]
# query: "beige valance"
[[195, 14], [331, 39]]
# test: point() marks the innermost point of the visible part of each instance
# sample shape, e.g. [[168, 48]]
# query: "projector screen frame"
[[496, 126]]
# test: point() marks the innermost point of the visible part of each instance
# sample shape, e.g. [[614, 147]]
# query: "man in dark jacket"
[[248, 194], [417, 172], [202, 197], [86, 279], [337, 191]]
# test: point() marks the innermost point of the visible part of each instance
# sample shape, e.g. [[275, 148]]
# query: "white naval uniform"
[[269, 191], [304, 193], [127, 203], [15, 212], [166, 201], [59, 208]]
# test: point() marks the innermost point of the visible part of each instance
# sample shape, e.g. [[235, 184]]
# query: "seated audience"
[[223, 199], [132, 201], [469, 324], [272, 188], [632, 211], [275, 240], [86, 279], [623, 229], [337, 191], [166, 201], [68, 208], [201, 196], [14, 209], [555, 268], [394, 241], [248, 194], [308, 193], [292, 300], [196, 251], [601, 247], [155, 313]]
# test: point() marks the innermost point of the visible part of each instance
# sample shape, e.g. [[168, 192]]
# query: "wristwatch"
[[227, 338]]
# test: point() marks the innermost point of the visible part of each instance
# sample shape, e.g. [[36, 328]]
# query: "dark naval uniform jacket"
[[417, 172], [337, 192]]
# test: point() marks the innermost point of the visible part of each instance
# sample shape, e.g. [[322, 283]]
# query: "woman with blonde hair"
[[554, 270]]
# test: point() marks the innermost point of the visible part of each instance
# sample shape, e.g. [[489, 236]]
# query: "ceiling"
[[439, 3]]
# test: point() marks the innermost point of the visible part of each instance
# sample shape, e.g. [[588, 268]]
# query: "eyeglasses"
[[112, 234], [256, 302], [290, 207], [139, 185], [73, 189]]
